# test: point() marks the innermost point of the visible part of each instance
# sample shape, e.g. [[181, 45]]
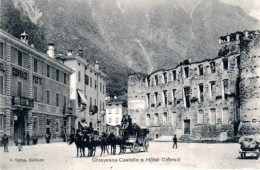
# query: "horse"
[[116, 140], [79, 145]]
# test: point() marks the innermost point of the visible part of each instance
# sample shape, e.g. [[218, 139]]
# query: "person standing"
[[5, 141], [20, 142], [35, 139], [48, 137], [174, 141], [28, 138]]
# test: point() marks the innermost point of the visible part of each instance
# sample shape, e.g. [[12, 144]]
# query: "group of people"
[[5, 141], [126, 122]]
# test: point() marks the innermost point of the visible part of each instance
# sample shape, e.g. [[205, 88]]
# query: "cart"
[[136, 140], [253, 151]]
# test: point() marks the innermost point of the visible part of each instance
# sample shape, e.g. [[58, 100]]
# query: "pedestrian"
[[20, 142], [5, 141], [27, 138], [174, 141], [48, 137], [35, 139]]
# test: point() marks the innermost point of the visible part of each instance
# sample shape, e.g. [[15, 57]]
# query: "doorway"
[[187, 127], [19, 127]]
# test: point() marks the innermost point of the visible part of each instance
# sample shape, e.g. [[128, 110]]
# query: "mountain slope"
[[136, 35]]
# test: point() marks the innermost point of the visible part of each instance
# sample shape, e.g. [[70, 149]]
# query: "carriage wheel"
[[145, 145], [135, 148]]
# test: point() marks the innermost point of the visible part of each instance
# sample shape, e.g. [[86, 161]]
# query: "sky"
[[252, 7]]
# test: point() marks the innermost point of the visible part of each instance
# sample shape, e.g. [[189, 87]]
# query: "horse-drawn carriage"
[[135, 139]]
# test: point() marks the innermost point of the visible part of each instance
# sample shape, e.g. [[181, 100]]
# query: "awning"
[[82, 97]]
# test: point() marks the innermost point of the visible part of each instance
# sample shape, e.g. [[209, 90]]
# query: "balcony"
[[23, 102], [67, 111]]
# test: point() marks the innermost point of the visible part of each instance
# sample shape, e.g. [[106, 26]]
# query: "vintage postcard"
[[129, 84]]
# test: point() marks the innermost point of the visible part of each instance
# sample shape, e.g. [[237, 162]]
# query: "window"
[[165, 118], [48, 71], [174, 76], [109, 120], [64, 101], [100, 87], [90, 81], [212, 67], [35, 65], [156, 79], [1, 84], [103, 89], [95, 84], [57, 99], [212, 89], [174, 100], [200, 117], [57, 75], [186, 72], [174, 119], [225, 89], [148, 99], [148, 119], [103, 105], [201, 96], [238, 61], [117, 119], [165, 77], [147, 81], [187, 97], [35, 93], [156, 119], [1, 122], [20, 58], [65, 78], [57, 126], [200, 69], [213, 116], [100, 105], [225, 116], [165, 98], [79, 76], [19, 88], [155, 99], [47, 96], [86, 79], [1, 50], [225, 64]]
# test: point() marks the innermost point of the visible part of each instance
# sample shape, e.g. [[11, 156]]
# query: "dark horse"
[[79, 144], [95, 141], [114, 141]]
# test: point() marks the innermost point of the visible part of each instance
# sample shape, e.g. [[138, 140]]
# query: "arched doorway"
[[19, 127]]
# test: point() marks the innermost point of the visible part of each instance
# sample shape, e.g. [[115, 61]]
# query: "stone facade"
[[201, 100], [25, 77]]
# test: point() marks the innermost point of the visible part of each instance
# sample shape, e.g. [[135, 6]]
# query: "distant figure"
[[5, 141], [35, 139], [174, 141], [20, 142], [48, 137], [123, 121], [27, 138], [129, 121]]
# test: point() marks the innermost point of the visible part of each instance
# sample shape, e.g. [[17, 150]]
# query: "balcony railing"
[[19, 101]]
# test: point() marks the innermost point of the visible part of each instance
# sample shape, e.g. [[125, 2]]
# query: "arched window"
[[156, 119]]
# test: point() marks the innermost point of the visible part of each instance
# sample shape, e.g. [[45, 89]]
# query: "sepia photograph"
[[129, 84]]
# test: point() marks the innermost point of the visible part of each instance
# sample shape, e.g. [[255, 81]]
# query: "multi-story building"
[[202, 100], [34, 90], [87, 91], [114, 113]]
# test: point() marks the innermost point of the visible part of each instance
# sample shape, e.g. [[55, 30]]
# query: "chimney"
[[81, 53], [69, 53], [24, 37], [97, 65], [246, 34], [228, 38], [50, 51], [237, 37]]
